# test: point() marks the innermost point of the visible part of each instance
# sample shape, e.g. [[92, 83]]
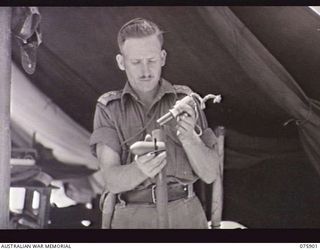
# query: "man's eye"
[[135, 62], [152, 60]]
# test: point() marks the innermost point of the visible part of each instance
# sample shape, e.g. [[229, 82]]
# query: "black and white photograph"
[[160, 117]]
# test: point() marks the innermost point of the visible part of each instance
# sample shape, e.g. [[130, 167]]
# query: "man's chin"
[[146, 80], [149, 84], [147, 87]]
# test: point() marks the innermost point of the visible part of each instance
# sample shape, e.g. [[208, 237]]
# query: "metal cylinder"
[[165, 118], [161, 189]]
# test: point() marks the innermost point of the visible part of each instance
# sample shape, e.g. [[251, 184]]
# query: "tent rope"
[[300, 122]]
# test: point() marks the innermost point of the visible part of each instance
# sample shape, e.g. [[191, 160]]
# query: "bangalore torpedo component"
[[189, 100]]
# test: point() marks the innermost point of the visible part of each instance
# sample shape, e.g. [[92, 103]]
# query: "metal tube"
[[161, 189], [162, 199], [5, 142], [164, 119]]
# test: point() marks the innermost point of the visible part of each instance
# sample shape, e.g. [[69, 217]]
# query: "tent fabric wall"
[[33, 112], [243, 151], [291, 35], [76, 64], [269, 75], [210, 50]]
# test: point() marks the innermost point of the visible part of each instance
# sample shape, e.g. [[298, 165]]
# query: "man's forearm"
[[123, 178], [203, 160]]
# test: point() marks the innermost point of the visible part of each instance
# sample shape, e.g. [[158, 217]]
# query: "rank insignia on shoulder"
[[109, 96]]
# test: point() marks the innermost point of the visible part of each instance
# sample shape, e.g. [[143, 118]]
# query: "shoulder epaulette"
[[109, 96], [182, 89]]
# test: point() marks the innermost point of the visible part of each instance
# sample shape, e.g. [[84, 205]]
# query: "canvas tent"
[[263, 60]]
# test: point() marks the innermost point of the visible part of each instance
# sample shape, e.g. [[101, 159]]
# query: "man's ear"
[[163, 55], [120, 62]]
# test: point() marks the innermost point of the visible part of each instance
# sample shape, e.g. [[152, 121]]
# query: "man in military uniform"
[[129, 115]]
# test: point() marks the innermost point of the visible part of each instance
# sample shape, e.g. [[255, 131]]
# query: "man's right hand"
[[151, 164]]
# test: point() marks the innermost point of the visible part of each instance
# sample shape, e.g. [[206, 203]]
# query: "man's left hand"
[[186, 123]]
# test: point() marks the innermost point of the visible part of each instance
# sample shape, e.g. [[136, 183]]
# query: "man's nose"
[[146, 70]]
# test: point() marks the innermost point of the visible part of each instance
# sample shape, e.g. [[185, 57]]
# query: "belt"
[[176, 191]]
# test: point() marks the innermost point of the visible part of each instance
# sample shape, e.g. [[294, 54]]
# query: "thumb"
[[148, 138]]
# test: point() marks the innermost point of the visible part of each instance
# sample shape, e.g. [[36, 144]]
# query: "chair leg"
[[44, 207]]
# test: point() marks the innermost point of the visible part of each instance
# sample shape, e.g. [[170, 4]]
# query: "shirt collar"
[[165, 88]]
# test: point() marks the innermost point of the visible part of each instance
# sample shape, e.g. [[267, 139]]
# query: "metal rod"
[[164, 119], [5, 142], [162, 199], [161, 189]]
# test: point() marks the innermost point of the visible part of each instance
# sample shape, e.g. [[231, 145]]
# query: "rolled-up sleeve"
[[104, 131]]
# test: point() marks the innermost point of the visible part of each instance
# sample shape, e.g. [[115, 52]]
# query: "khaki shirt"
[[120, 121]]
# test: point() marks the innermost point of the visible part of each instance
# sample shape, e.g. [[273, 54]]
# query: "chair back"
[[217, 186]]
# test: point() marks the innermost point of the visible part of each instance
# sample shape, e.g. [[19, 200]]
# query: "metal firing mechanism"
[[190, 100]]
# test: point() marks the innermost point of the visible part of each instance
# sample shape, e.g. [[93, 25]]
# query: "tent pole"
[[5, 142]]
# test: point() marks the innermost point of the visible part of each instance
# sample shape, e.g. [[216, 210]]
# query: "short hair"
[[138, 28]]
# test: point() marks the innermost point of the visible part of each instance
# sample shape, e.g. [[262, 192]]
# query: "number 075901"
[[308, 245]]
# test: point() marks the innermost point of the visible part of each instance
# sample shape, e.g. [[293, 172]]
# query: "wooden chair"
[[30, 217], [217, 189]]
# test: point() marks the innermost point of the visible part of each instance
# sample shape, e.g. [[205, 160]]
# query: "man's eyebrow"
[[138, 59]]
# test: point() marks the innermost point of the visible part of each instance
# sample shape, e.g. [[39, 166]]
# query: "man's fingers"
[[144, 158], [158, 168], [185, 108], [186, 122], [184, 126], [152, 170], [190, 111], [158, 163], [149, 156], [150, 164], [148, 138], [158, 159]]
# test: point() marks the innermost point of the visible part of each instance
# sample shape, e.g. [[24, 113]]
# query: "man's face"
[[142, 59]]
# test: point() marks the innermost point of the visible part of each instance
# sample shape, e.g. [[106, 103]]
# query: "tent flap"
[[269, 75]]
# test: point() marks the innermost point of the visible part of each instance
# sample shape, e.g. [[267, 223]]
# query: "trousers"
[[183, 214]]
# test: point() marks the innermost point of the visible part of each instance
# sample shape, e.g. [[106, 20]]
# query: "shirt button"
[[185, 172]]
